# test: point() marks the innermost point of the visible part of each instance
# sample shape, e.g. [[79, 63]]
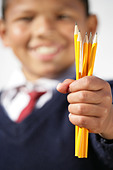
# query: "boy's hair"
[[4, 6], [86, 5]]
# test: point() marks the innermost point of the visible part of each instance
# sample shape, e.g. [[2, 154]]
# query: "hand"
[[90, 105]]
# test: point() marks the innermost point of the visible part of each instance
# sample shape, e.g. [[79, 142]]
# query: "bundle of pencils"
[[84, 60]]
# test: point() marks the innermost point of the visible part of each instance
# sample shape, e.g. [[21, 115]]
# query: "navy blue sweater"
[[45, 141]]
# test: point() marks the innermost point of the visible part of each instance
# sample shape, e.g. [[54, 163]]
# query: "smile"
[[45, 53], [46, 50]]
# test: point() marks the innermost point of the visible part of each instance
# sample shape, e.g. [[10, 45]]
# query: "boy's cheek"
[[18, 36]]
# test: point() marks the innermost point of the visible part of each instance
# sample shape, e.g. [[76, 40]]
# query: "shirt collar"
[[18, 79]]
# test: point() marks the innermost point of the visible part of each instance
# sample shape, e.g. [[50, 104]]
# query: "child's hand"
[[90, 105]]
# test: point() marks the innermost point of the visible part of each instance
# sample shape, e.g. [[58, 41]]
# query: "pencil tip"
[[79, 31], [86, 33], [75, 23]]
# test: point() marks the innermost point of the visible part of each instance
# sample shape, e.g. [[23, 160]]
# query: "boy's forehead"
[[66, 3]]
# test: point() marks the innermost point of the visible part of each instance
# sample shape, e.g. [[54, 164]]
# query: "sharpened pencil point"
[[76, 29]]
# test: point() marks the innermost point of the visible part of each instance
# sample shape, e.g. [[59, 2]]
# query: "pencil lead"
[[75, 23]]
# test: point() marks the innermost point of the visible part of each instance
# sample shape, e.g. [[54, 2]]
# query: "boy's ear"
[[92, 24], [3, 34]]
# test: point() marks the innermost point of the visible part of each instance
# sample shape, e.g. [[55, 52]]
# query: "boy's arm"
[[90, 105]]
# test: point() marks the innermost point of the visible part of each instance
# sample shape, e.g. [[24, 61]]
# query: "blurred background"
[[104, 58]]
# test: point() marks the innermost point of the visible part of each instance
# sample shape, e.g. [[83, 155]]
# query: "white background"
[[104, 58]]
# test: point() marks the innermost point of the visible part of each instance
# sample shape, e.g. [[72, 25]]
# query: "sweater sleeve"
[[103, 149]]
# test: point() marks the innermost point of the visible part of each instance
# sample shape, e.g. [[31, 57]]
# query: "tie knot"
[[36, 94]]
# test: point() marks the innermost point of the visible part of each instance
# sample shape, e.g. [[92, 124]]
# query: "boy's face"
[[41, 32]]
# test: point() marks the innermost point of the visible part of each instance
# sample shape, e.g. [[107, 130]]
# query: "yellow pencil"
[[76, 56], [85, 56], [78, 61], [93, 54], [89, 48], [77, 73], [81, 136], [84, 73]]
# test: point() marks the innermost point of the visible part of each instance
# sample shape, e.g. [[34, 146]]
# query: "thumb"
[[64, 86]]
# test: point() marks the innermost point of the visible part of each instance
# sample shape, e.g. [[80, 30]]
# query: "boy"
[[40, 33]]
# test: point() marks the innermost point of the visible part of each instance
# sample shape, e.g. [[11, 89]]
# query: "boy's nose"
[[43, 27]]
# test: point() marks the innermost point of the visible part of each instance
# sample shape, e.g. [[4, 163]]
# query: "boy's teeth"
[[46, 50]]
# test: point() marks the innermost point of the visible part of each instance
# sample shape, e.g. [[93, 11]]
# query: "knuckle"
[[105, 111], [107, 85], [87, 82], [107, 88], [82, 122], [82, 96], [109, 99], [80, 109]]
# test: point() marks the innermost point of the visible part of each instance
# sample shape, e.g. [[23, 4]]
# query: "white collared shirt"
[[15, 96]]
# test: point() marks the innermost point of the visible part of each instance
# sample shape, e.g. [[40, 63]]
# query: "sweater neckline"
[[19, 129]]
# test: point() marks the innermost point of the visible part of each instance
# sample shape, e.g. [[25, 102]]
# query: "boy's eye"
[[26, 19], [63, 16]]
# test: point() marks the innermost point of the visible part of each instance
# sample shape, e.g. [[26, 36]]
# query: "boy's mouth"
[[45, 53], [46, 50]]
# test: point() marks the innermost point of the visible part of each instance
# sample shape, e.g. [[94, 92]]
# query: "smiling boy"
[[40, 33]]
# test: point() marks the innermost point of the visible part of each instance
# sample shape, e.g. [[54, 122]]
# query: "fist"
[[90, 104]]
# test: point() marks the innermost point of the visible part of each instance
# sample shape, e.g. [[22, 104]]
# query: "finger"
[[87, 110], [64, 86], [92, 124], [91, 97], [87, 83]]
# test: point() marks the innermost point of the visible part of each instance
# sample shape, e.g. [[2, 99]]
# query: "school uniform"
[[45, 139]]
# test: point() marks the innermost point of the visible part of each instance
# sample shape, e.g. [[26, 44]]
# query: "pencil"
[[76, 56], [82, 132], [93, 54], [85, 56], [78, 74], [84, 73]]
